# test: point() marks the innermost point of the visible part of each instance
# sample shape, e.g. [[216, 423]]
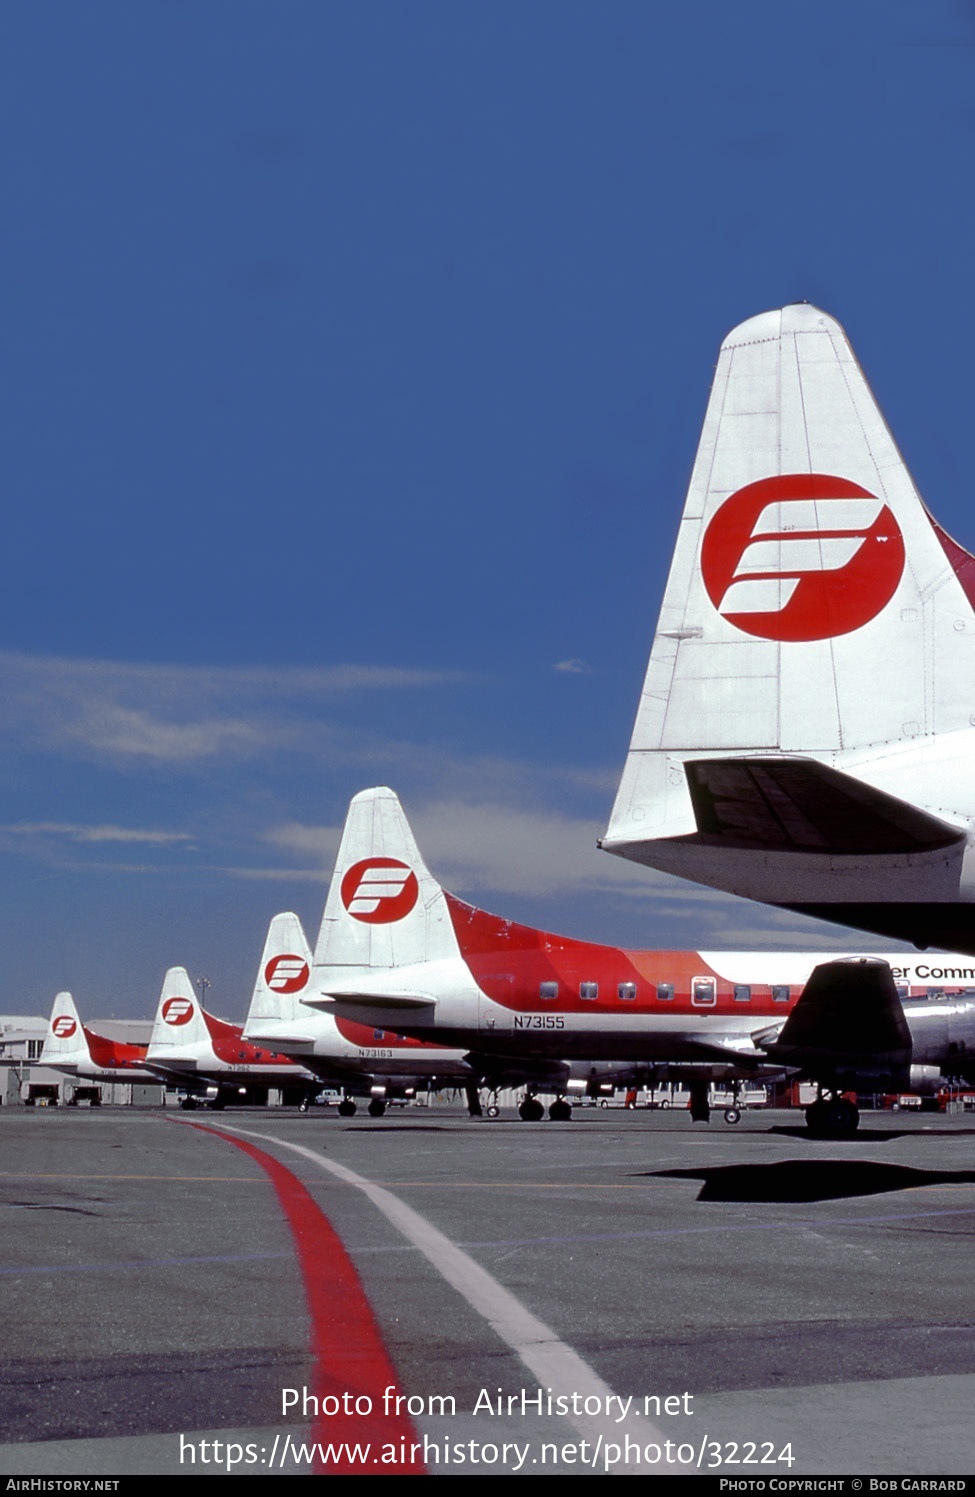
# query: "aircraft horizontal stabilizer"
[[353, 997], [795, 803], [848, 1024]]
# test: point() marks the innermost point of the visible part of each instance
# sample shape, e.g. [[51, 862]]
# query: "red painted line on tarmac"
[[350, 1358]]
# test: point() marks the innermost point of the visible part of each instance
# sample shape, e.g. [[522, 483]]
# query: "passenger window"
[[665, 992], [781, 995], [626, 991], [903, 991], [743, 993], [704, 992], [589, 991], [378, 1034], [548, 990]]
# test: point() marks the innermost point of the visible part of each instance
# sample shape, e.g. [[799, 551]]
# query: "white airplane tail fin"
[[282, 978], [815, 616], [65, 1041], [179, 1020], [384, 908]]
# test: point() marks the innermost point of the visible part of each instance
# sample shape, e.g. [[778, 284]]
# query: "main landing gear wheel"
[[832, 1117], [560, 1111], [531, 1110], [377, 1107], [346, 1108], [732, 1114]]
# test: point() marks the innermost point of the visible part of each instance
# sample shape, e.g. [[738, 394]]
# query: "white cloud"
[[179, 714], [319, 843], [80, 833], [497, 847], [573, 667]]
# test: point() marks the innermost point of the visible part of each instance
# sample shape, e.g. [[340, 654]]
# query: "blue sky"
[[354, 357]]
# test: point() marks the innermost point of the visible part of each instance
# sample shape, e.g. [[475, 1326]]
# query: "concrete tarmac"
[[746, 1301]]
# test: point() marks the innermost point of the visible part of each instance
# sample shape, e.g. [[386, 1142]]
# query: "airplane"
[[382, 1062], [204, 1054], [806, 730], [357, 1058], [69, 1046], [397, 951]]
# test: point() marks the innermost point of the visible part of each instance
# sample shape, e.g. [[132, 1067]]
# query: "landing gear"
[[732, 1114], [560, 1111], [493, 1110], [832, 1117], [530, 1110], [189, 1104], [700, 1106], [377, 1107], [473, 1102], [346, 1108]]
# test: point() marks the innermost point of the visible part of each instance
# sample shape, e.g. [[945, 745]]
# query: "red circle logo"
[[286, 974], [63, 1027], [379, 890], [802, 556], [177, 1010]]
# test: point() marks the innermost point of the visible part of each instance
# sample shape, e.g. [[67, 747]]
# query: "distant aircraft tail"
[[179, 1020], [282, 980], [808, 696], [65, 1043], [387, 940], [384, 909]]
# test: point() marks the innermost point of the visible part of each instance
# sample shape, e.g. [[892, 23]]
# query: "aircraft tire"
[[844, 1118], [531, 1110], [560, 1111], [346, 1108], [377, 1107], [732, 1115], [832, 1119], [494, 1111]]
